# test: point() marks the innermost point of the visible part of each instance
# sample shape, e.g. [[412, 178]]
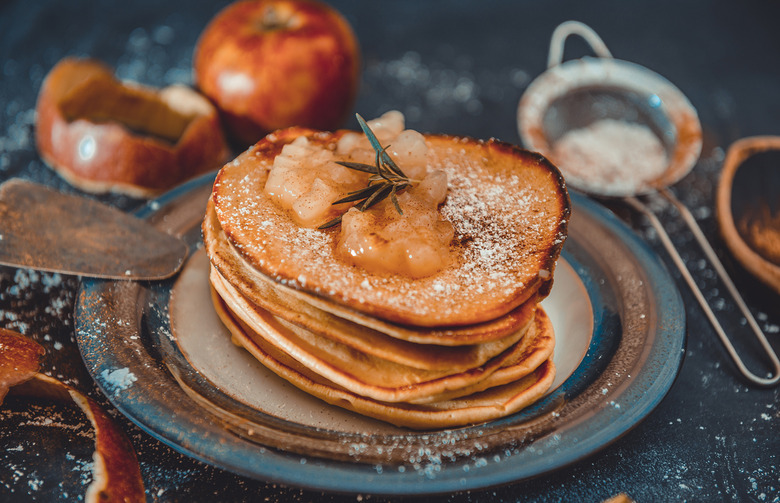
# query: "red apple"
[[270, 64]]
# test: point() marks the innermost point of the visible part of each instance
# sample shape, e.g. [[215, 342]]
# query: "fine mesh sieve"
[[602, 121]]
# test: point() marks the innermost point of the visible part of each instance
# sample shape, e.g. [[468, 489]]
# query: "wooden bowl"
[[747, 206]]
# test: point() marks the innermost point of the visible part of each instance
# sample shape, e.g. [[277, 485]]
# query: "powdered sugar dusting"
[[611, 157], [505, 208], [118, 379], [489, 218]]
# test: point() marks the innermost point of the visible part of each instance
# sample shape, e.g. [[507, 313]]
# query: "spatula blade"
[[47, 230]]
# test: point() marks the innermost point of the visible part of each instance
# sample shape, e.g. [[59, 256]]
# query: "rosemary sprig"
[[386, 180]]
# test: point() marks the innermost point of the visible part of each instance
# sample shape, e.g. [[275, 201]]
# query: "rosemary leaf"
[[381, 193], [390, 166], [331, 223], [377, 146], [359, 195], [386, 179], [359, 166], [394, 199]]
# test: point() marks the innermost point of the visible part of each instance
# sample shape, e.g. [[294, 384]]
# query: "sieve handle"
[[567, 28], [713, 258]]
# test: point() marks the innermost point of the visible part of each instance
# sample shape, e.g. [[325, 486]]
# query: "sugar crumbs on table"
[[118, 379]]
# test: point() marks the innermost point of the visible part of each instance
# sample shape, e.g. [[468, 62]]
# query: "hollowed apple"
[[102, 134]]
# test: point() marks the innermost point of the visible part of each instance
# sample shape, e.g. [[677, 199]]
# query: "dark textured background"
[[455, 67]]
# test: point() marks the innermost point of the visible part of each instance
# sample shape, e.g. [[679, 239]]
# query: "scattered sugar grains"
[[21, 293], [18, 135], [451, 87], [148, 58], [25, 474], [118, 379]]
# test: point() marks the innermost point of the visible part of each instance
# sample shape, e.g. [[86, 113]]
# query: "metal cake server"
[[43, 229]]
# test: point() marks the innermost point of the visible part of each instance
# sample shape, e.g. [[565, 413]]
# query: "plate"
[[228, 381], [619, 321]]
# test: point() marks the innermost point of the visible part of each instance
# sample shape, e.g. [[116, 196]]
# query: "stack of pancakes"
[[464, 345]]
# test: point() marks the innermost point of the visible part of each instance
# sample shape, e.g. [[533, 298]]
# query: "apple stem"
[[272, 20]]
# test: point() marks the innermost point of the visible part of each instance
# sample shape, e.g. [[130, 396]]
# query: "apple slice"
[[117, 475], [19, 360]]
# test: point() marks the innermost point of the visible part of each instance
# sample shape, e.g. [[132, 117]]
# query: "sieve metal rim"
[[605, 71]]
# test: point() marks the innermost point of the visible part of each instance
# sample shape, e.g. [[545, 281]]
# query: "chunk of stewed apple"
[[415, 243], [306, 180]]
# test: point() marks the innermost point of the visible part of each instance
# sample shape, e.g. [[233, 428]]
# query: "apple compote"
[[306, 180], [415, 243]]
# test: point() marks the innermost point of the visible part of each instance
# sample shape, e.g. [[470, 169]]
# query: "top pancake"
[[320, 315], [509, 208]]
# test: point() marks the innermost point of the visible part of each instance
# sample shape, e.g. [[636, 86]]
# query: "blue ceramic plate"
[[621, 318]]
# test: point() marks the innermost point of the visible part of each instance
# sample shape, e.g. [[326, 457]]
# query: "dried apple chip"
[[117, 475], [19, 360]]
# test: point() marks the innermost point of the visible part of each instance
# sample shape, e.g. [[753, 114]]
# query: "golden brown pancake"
[[359, 372], [535, 348], [486, 339], [476, 408], [509, 208], [420, 356]]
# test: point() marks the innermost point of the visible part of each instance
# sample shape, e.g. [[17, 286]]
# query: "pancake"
[[360, 373], [420, 356], [509, 209], [535, 348], [483, 406], [487, 339]]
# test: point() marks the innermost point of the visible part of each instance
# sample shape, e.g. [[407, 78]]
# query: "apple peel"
[[116, 474], [102, 134], [19, 360]]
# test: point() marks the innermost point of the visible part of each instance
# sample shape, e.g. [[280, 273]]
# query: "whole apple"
[[270, 64]]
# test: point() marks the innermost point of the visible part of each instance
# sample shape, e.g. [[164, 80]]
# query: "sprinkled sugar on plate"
[[634, 352]]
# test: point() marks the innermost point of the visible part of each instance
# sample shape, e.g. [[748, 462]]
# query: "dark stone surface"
[[456, 67]]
